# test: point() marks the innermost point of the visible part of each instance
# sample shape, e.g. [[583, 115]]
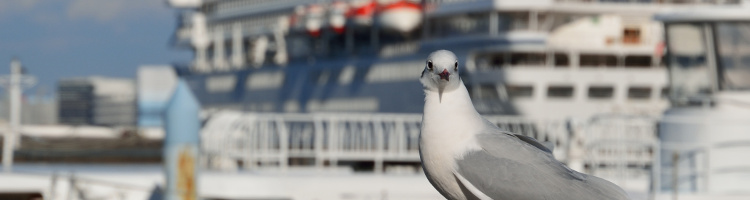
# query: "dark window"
[[499, 60], [527, 59], [595, 60], [639, 93], [601, 92], [560, 91], [631, 35], [638, 61], [561, 60], [518, 91], [665, 93]]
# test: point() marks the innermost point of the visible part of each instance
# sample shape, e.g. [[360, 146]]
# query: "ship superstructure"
[[564, 60], [536, 58]]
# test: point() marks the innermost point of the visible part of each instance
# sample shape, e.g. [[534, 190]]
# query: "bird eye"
[[429, 64], [455, 68]]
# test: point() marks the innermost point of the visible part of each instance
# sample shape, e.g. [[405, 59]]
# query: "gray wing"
[[534, 142], [511, 168]]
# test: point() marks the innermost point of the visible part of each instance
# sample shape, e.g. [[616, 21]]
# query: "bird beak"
[[445, 75]]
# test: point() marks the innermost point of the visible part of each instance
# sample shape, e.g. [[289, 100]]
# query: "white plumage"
[[466, 157]]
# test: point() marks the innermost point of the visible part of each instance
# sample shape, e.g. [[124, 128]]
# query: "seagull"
[[464, 156]]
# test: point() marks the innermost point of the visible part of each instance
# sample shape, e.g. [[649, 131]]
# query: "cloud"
[[14, 5], [28, 3], [108, 10], [17, 6]]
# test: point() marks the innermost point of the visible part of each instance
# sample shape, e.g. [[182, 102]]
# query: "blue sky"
[[76, 38]]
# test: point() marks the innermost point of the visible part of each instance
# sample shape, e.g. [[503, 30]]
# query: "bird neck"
[[453, 106]]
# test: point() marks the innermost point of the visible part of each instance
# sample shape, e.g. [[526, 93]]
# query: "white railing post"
[[333, 146], [400, 133], [318, 141], [707, 168], [283, 143], [379, 144], [248, 138], [656, 171]]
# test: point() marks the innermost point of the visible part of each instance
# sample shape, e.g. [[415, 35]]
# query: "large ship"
[[277, 65], [540, 58]]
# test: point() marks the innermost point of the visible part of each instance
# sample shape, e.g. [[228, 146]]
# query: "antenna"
[[15, 82]]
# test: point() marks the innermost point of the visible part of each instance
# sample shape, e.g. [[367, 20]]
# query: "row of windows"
[[255, 81], [274, 79], [505, 59], [389, 72], [491, 92]]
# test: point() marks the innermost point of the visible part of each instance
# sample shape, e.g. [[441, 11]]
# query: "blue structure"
[[181, 142]]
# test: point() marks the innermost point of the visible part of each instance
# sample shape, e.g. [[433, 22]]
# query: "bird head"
[[440, 72]]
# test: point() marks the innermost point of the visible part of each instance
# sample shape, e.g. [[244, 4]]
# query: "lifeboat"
[[401, 16], [337, 16], [361, 12], [314, 19]]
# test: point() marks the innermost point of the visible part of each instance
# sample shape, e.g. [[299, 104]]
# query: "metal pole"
[[707, 170], [656, 171], [15, 112], [675, 174], [52, 193]]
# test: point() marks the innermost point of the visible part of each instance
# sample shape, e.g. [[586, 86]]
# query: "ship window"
[[462, 24], [597, 60], [639, 92], [499, 60], [631, 35], [733, 55], [218, 84], [601, 92], [347, 75], [519, 91], [527, 59], [320, 77], [665, 93], [391, 72], [690, 74], [561, 60], [513, 21], [560, 91], [487, 92], [265, 80], [637, 61]]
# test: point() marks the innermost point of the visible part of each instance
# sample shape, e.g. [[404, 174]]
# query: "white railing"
[[265, 139], [622, 149], [619, 148], [709, 157], [258, 140], [619, 141]]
